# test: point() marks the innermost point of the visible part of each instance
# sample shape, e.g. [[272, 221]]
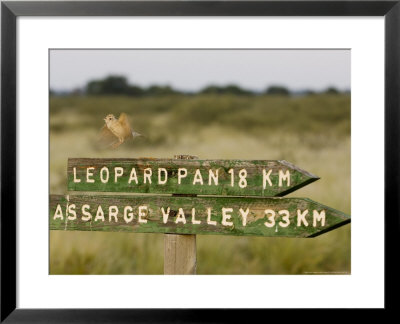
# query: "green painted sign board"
[[197, 177], [276, 217]]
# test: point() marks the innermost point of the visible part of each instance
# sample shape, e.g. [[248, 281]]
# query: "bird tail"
[[135, 134]]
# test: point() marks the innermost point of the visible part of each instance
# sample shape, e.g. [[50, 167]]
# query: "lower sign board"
[[286, 217]]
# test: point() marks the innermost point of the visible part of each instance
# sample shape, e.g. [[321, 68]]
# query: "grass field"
[[312, 132]]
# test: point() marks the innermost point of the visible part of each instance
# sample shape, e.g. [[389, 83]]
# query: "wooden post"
[[180, 249]]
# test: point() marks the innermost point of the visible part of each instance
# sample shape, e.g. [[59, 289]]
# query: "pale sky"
[[192, 70]]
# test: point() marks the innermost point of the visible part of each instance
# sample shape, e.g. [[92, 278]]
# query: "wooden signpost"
[[238, 197]]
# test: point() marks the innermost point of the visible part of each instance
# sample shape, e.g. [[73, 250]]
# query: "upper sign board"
[[265, 178]]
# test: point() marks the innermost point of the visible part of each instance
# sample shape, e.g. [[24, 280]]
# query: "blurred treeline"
[[311, 131], [119, 85]]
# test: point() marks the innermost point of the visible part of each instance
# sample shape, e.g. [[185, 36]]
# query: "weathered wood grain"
[[212, 215], [257, 178], [179, 254]]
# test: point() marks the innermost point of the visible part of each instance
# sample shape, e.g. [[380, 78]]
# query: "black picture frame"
[[10, 10]]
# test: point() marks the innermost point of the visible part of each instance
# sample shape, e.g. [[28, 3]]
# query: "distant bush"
[[160, 91], [229, 89], [135, 91], [332, 90], [277, 90], [309, 92], [118, 85], [109, 85]]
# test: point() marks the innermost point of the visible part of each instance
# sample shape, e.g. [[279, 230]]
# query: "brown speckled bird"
[[116, 131]]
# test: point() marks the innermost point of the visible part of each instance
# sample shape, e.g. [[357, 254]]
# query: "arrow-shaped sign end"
[[335, 217], [307, 178], [347, 221]]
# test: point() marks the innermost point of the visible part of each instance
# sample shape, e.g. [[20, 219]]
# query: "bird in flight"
[[116, 131]]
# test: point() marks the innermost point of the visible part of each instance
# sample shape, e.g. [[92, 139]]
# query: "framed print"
[[231, 140]]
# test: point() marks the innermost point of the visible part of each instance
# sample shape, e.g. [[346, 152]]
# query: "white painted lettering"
[[75, 179], [197, 177], [285, 218], [244, 214], [128, 216], [226, 216], [266, 178], [242, 178], [99, 214], [133, 176], [209, 221], [58, 213], [142, 213], [162, 181], [213, 177], [182, 173], [104, 178], [118, 172], [194, 221], [147, 175], [86, 215], [301, 217], [283, 177], [318, 217], [113, 213], [89, 174], [180, 218], [165, 215], [71, 210], [271, 218], [232, 177]]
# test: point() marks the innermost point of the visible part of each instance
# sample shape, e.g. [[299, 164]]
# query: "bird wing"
[[106, 137], [124, 122]]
